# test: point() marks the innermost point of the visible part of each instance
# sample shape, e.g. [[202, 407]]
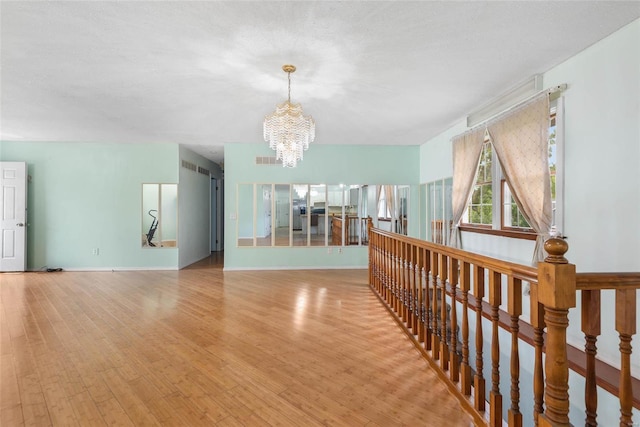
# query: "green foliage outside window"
[[481, 209]]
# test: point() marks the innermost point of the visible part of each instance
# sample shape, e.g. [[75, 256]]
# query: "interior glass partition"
[[264, 235], [317, 212], [335, 194], [300, 219], [439, 211], [245, 215], [282, 197], [304, 215]]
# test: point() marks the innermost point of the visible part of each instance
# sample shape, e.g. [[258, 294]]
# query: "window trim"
[[516, 234]]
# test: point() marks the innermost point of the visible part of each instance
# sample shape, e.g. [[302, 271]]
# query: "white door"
[[13, 215]]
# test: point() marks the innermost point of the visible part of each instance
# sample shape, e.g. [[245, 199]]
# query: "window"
[[512, 217], [489, 182], [480, 210]]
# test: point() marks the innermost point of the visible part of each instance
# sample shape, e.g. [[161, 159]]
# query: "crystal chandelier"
[[287, 130]]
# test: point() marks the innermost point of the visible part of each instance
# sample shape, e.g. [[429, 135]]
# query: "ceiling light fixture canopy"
[[287, 130]]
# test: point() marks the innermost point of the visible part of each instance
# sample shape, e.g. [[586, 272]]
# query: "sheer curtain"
[[389, 195], [520, 141], [466, 155]]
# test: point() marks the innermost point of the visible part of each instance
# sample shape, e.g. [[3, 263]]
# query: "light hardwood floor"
[[203, 347]]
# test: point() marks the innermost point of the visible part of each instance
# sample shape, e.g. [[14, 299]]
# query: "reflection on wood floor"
[[205, 347]]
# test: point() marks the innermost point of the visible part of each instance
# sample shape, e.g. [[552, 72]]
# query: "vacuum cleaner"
[[153, 228]]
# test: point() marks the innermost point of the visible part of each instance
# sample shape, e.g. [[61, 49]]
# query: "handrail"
[[417, 280], [603, 281], [526, 273]]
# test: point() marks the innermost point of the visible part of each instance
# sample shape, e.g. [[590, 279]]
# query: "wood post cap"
[[556, 248]]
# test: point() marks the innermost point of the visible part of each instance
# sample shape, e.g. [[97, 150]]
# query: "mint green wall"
[[322, 164], [83, 196]]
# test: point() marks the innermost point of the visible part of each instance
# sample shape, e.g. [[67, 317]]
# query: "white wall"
[[602, 149], [602, 183]]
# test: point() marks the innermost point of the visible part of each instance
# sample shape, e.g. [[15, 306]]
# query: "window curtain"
[[520, 141], [390, 197], [378, 197], [466, 155]]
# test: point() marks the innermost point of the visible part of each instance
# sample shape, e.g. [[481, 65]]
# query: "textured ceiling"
[[205, 73]]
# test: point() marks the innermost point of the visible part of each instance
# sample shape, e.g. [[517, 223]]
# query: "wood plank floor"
[[203, 347]]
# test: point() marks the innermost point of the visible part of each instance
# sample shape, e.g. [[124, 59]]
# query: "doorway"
[[13, 221]]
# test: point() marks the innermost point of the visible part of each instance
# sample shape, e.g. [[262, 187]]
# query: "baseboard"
[[112, 269], [324, 267]]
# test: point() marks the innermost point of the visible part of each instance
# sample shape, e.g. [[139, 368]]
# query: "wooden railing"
[[440, 295], [355, 230]]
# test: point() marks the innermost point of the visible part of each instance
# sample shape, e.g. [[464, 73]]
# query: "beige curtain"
[[390, 197], [466, 155], [520, 141]]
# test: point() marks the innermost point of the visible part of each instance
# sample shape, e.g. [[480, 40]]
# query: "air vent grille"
[[188, 165], [268, 160]]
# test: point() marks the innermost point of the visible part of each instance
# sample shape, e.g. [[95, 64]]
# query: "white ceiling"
[[205, 73]]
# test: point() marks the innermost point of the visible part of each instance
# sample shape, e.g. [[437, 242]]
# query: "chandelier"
[[287, 130]]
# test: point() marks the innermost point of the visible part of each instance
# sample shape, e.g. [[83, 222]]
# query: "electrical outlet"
[[95, 251], [329, 250], [339, 250]]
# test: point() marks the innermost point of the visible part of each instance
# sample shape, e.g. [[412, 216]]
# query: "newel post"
[[557, 292]]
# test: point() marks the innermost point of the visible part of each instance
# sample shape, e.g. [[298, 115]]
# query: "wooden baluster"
[[374, 249], [537, 321], [392, 272], [390, 245], [373, 252], [402, 270], [557, 291], [478, 380], [371, 266], [428, 336], [465, 369], [415, 301], [385, 267], [454, 360], [444, 347], [420, 253], [405, 283], [382, 247], [495, 398], [410, 294], [402, 283], [398, 270], [435, 332], [591, 327], [514, 298], [389, 263], [379, 262], [626, 327]]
